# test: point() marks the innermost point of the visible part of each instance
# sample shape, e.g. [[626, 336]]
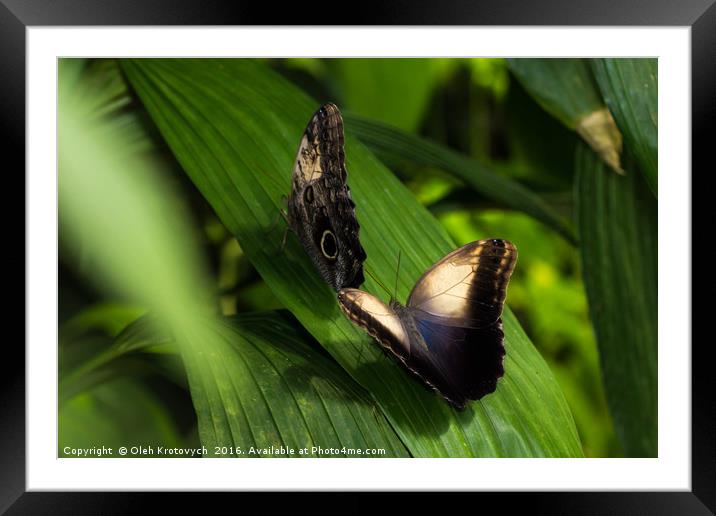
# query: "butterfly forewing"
[[320, 209], [467, 287]]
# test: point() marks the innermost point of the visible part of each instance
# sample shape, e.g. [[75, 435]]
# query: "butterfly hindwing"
[[320, 210], [461, 363]]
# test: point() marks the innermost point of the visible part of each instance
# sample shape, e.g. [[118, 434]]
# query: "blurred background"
[[475, 107]]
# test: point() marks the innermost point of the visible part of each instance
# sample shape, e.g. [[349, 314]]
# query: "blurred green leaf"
[[234, 126], [490, 73], [108, 211], [117, 212], [565, 88], [120, 413], [629, 87], [385, 140], [617, 218], [108, 317], [91, 359]]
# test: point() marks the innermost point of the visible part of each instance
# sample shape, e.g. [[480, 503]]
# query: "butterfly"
[[449, 333], [320, 210]]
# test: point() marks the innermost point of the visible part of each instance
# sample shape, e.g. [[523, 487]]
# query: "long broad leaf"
[[274, 392], [234, 126], [629, 87], [617, 220], [386, 140]]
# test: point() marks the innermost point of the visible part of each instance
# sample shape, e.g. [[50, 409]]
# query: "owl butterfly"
[[450, 332], [320, 210]]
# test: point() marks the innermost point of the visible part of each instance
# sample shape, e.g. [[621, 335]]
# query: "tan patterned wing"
[[379, 320], [321, 148]]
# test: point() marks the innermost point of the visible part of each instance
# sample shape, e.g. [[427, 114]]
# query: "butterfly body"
[[321, 211], [449, 333]]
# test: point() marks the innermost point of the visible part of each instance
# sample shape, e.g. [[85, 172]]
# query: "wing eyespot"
[[308, 195], [329, 246]]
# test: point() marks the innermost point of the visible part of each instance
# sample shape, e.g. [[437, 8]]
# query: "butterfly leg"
[[282, 214], [283, 240], [360, 354]]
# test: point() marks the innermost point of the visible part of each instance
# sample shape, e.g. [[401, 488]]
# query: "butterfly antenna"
[[360, 354], [387, 291], [397, 273]]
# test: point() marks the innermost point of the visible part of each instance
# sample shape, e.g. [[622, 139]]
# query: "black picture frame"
[[17, 15]]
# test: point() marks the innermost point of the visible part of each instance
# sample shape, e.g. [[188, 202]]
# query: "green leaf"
[[630, 89], [265, 386], [617, 218], [385, 140], [565, 88], [116, 211], [234, 126]]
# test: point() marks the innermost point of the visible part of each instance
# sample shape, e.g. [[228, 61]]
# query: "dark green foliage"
[[617, 220]]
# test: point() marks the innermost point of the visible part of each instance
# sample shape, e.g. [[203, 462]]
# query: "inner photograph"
[[357, 258]]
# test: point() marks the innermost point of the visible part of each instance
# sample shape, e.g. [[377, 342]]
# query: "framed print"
[[425, 255]]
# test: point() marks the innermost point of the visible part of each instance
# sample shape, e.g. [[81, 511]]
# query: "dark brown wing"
[[467, 287], [461, 363], [320, 209]]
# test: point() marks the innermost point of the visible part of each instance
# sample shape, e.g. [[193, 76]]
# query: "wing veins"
[[446, 290]]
